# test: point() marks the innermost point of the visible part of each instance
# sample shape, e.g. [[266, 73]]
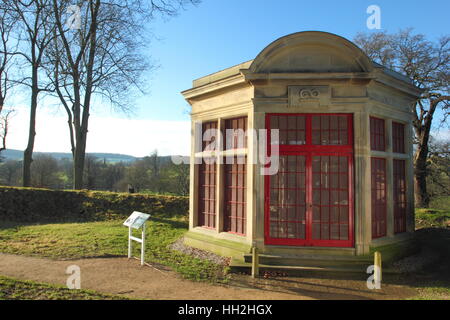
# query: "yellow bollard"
[[377, 264], [255, 262]]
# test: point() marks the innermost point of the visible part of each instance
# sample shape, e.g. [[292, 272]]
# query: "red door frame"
[[383, 232], [308, 150]]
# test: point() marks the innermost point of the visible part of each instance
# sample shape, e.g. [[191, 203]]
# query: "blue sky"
[[213, 36], [219, 34]]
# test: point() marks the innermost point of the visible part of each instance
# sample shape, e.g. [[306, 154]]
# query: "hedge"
[[44, 205]]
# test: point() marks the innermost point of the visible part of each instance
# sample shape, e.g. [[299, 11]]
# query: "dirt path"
[[119, 276]]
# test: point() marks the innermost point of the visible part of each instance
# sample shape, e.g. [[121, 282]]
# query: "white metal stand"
[[141, 241]]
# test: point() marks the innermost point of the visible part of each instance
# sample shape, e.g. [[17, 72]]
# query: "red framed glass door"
[[288, 199], [309, 201]]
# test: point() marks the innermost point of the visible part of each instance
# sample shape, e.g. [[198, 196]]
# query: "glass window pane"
[[377, 135], [378, 168], [207, 195], [235, 196], [238, 138]]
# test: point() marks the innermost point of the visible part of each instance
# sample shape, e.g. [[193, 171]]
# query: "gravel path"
[[416, 262], [198, 253]]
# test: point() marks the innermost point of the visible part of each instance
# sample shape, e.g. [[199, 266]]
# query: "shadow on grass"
[[432, 273], [15, 225], [173, 221], [437, 273]]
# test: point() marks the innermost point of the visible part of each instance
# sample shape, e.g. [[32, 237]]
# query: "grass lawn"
[[440, 203], [437, 216], [13, 289], [109, 238], [105, 239], [432, 218]]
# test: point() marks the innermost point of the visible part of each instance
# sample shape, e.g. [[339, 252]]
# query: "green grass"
[[432, 218], [109, 238], [106, 239], [13, 289], [440, 203], [436, 216]]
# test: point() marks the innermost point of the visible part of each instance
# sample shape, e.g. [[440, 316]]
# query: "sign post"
[[136, 221]]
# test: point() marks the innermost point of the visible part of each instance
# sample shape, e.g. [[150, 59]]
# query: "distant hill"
[[12, 154]]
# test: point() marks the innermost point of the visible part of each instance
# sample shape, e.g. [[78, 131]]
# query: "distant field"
[[13, 154]]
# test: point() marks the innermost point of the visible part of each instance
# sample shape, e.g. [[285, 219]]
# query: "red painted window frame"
[[281, 241], [229, 124], [206, 140], [287, 131], [398, 137], [349, 205], [240, 222], [207, 219], [311, 150], [377, 216], [377, 134], [400, 195]]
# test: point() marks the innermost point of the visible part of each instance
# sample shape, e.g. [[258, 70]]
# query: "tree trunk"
[[78, 168], [28, 153], [422, 200], [78, 161], [81, 134], [421, 197]]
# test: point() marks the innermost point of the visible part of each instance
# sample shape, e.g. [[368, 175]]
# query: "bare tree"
[[426, 63], [6, 59], [155, 163], [10, 172], [138, 174], [102, 56], [44, 172], [181, 178], [439, 167], [33, 32], [91, 172], [4, 126]]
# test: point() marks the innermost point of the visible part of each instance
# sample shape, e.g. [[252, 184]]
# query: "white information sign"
[[136, 221]]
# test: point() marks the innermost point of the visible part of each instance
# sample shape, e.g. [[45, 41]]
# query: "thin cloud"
[[137, 137]]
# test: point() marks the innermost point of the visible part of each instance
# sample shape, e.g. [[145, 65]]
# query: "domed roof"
[[311, 51]]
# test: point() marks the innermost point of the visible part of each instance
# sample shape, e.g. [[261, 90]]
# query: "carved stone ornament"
[[311, 96]]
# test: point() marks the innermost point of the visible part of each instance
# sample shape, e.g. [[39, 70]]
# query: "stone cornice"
[[214, 86], [249, 76], [392, 82], [246, 76], [244, 106]]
